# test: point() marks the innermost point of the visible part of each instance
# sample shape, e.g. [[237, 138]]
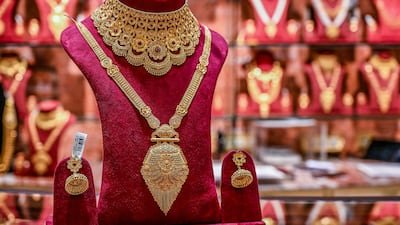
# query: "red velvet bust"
[[254, 30], [7, 18], [317, 35], [386, 27], [315, 106], [46, 107], [282, 106], [124, 197]]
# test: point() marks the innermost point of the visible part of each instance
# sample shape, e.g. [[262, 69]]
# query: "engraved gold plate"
[[327, 99], [332, 32], [77, 183], [165, 168], [241, 178]]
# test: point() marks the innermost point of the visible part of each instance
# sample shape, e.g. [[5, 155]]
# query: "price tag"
[[79, 145]]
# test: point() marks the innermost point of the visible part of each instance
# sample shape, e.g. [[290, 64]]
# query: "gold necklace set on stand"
[[53, 122], [156, 41], [15, 69], [327, 96], [265, 86], [57, 19], [378, 70]]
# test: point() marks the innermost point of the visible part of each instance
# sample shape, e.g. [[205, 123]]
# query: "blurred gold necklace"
[[384, 66], [57, 19], [156, 41], [269, 90], [41, 159], [3, 8], [327, 97]]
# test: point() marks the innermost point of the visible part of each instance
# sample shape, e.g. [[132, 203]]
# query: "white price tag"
[[79, 145]]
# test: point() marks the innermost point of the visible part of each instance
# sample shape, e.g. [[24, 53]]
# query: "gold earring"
[[77, 183], [241, 178]]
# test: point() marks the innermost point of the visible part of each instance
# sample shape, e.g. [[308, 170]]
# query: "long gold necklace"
[[57, 19], [270, 86], [327, 97], [156, 41], [383, 93], [41, 159], [164, 168], [15, 69], [3, 8]]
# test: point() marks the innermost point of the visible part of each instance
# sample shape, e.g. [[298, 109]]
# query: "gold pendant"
[[41, 161], [326, 221], [2, 27], [165, 168], [271, 29], [264, 109], [77, 183], [384, 100], [327, 99], [332, 31], [57, 22], [389, 220], [241, 178], [269, 221]]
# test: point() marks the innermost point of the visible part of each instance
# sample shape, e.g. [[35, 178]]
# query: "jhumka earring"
[[241, 178]]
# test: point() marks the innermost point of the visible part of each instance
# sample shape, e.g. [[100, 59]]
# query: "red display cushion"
[[73, 210], [315, 107], [125, 198], [259, 36], [239, 205], [385, 33]]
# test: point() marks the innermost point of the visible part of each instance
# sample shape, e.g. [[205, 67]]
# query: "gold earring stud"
[[241, 178]]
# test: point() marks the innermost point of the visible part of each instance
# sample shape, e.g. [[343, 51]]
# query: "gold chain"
[[164, 169], [156, 41], [48, 121], [384, 66], [383, 93]]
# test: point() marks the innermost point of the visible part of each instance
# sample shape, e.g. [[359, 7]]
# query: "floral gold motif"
[[156, 41], [241, 178], [164, 168], [77, 183]]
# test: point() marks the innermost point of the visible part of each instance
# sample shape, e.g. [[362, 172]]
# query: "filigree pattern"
[[156, 41]]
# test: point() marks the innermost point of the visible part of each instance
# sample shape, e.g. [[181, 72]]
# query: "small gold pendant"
[[165, 168], [77, 183], [41, 162], [327, 99], [57, 22], [271, 29], [241, 178], [332, 31], [2, 27], [269, 221], [384, 100]]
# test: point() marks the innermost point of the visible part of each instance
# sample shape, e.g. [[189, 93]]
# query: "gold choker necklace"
[[156, 41]]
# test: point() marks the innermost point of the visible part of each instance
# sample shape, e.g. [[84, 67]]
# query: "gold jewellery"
[[156, 41], [384, 93], [41, 159], [164, 169], [241, 178], [49, 120], [15, 69], [57, 19], [77, 183], [3, 8], [327, 96], [264, 87]]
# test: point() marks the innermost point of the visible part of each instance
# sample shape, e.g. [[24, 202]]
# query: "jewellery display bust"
[[125, 197], [332, 21], [383, 27], [326, 85], [7, 31], [379, 88], [271, 23]]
